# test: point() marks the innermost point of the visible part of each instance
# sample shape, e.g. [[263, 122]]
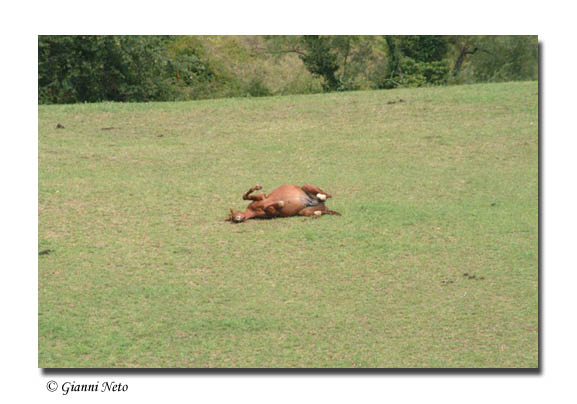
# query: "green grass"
[[145, 272]]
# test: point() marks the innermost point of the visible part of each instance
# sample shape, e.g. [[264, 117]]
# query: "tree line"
[[93, 68]]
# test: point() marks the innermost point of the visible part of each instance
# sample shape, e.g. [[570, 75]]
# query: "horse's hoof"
[[281, 204], [322, 197], [318, 213], [257, 187]]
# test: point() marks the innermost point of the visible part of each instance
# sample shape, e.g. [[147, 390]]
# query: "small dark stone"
[[45, 252], [59, 126]]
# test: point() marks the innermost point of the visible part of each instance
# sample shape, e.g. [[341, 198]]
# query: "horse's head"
[[236, 216]]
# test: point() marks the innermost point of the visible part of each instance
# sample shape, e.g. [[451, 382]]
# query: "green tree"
[[424, 48], [506, 58], [495, 58], [320, 58], [416, 60], [97, 68], [343, 62]]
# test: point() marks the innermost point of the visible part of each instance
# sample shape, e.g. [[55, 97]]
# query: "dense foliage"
[[146, 68], [98, 68]]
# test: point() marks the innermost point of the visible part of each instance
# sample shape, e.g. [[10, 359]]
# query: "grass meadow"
[[434, 262]]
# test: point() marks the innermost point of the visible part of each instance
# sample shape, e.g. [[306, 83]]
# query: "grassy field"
[[434, 262]]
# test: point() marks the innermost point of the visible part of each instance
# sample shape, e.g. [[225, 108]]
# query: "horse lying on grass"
[[284, 201]]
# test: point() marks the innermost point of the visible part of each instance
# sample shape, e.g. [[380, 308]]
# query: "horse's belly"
[[292, 206], [294, 198]]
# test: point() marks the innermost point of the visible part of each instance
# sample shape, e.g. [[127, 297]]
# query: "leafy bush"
[[257, 88], [424, 48], [417, 74], [416, 60]]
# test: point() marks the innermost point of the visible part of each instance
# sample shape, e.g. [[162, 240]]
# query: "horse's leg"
[[317, 211], [257, 197], [273, 208], [316, 192]]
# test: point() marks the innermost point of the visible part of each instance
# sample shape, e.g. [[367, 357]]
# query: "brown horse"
[[286, 200]]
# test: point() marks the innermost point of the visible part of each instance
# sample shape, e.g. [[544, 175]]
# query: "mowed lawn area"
[[433, 263]]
